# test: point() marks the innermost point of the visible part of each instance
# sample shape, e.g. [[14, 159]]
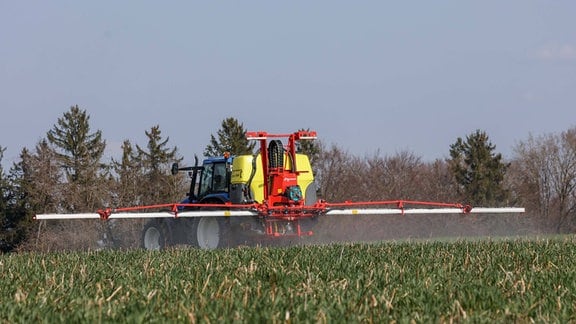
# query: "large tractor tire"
[[210, 233], [155, 235]]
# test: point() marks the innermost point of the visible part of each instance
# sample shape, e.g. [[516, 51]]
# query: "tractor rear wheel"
[[155, 235]]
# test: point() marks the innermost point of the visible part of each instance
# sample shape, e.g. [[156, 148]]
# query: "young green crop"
[[478, 281]]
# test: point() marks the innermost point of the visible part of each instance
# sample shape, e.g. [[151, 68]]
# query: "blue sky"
[[369, 76]]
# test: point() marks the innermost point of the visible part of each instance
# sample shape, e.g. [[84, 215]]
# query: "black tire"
[[276, 154], [155, 235], [211, 233]]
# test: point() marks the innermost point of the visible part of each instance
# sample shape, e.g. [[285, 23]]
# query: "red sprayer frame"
[[278, 179]]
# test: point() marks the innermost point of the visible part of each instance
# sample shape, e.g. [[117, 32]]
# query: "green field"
[[519, 280]]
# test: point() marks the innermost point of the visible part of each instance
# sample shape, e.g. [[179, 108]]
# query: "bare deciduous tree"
[[437, 182], [393, 178], [337, 174], [545, 169]]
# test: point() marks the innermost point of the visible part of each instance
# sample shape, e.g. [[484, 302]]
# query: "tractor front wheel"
[[155, 235], [211, 233]]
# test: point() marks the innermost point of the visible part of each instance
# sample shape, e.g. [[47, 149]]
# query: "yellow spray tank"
[[247, 181]]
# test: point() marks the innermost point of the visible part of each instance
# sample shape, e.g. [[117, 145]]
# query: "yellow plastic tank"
[[242, 168]]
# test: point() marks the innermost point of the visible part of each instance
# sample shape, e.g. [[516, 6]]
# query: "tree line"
[[66, 173]]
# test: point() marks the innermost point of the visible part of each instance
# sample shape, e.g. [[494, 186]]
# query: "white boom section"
[[67, 216], [244, 213], [206, 213], [422, 211]]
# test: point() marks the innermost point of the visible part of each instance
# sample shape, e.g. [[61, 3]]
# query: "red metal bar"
[[284, 212], [398, 203]]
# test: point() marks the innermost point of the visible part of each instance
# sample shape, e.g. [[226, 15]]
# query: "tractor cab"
[[210, 182]]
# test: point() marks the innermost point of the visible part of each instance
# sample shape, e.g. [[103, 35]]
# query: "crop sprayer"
[[271, 193]]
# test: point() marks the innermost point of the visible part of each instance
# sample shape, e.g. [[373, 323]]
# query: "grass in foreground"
[[478, 281]]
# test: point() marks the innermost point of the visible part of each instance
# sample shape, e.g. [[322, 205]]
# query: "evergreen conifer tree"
[[129, 173], [478, 170], [79, 153], [231, 138], [15, 214], [157, 185]]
